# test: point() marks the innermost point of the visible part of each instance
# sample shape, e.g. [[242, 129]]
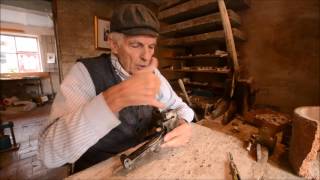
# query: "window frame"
[[41, 69]]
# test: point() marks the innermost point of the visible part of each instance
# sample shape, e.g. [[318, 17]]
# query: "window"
[[19, 54]]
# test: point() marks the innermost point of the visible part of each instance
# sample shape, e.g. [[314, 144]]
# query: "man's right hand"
[[140, 89]]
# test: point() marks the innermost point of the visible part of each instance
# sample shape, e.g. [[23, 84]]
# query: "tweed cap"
[[134, 19]]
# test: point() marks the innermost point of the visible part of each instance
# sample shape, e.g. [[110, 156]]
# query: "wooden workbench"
[[204, 157]]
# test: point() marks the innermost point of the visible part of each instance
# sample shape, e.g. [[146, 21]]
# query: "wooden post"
[[231, 48]]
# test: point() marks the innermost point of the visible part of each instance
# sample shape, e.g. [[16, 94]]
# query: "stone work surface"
[[204, 157]]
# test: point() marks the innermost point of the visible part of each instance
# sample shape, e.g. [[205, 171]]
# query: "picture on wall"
[[101, 31]]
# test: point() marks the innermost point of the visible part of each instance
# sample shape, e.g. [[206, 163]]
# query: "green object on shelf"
[[5, 142]]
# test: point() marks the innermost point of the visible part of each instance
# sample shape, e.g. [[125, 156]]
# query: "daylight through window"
[[19, 54]]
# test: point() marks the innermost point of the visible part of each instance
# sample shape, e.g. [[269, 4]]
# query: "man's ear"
[[114, 47]]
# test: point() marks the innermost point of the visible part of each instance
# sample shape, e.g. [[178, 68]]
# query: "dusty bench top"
[[204, 157]]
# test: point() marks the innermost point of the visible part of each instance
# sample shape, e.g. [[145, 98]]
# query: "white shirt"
[[79, 117]]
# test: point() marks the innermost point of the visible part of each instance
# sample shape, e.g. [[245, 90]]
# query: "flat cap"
[[134, 19]]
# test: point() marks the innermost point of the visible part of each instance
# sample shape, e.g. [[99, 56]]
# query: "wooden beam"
[[10, 30], [231, 48]]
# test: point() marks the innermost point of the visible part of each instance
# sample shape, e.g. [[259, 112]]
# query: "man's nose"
[[146, 54]]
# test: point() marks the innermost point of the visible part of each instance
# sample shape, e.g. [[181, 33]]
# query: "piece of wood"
[[187, 10], [198, 25], [196, 71], [231, 48], [195, 57], [204, 157], [305, 142], [165, 4], [260, 169], [194, 8], [205, 38]]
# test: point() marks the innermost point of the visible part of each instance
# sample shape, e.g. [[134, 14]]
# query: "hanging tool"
[[186, 96], [234, 170]]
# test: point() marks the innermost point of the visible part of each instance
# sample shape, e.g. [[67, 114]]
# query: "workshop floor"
[[23, 164]]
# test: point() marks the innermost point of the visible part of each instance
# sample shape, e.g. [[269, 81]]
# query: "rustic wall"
[[282, 51], [75, 27], [48, 45]]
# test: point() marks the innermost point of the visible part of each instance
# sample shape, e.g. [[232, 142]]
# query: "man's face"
[[135, 52]]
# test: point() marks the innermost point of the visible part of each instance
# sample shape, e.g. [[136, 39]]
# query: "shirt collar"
[[118, 68]]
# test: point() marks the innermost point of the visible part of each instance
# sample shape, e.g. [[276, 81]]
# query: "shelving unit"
[[192, 32], [197, 71]]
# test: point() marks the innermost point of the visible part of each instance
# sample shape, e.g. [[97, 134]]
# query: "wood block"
[[305, 142]]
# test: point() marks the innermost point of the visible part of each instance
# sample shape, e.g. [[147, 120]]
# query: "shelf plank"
[[194, 8], [209, 86], [169, 3], [210, 37], [196, 71], [196, 57], [199, 25]]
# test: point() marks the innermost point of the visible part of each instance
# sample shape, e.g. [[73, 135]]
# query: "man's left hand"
[[179, 136]]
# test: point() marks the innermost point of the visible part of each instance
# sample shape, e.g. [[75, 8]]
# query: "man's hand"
[[140, 89], [179, 136]]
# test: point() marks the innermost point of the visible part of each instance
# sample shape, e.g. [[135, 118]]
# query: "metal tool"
[[165, 122], [234, 170]]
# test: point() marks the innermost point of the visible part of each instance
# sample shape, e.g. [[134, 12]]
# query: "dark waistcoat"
[[135, 120]]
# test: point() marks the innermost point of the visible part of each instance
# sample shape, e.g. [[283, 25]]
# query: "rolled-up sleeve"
[[172, 101], [78, 119]]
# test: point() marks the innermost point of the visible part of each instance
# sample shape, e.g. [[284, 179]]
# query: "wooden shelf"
[[196, 71], [199, 25], [209, 86], [169, 3], [196, 57], [205, 38], [195, 8]]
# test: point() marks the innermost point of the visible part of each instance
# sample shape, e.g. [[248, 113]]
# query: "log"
[[305, 142]]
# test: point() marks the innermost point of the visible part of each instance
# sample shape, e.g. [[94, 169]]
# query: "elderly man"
[[104, 104]]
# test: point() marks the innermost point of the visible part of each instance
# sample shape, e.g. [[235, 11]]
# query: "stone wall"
[[282, 51]]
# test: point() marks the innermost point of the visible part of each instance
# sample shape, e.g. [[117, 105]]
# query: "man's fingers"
[[157, 104], [173, 143], [151, 67], [171, 135], [178, 136]]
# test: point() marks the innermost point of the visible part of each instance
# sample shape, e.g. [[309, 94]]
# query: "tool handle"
[[186, 95], [184, 91]]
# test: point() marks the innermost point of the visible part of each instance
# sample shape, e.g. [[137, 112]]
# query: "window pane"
[[7, 44], [9, 63], [29, 62], [26, 44]]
